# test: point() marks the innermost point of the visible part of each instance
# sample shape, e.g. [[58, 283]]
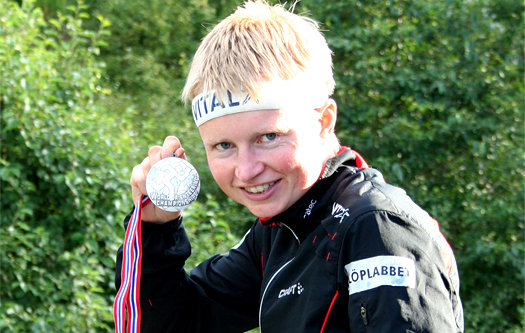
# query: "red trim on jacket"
[[329, 310], [359, 160]]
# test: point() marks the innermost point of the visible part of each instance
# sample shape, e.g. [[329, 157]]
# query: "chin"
[[265, 211]]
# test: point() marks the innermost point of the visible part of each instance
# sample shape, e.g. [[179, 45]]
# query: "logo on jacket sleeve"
[[379, 271], [339, 212]]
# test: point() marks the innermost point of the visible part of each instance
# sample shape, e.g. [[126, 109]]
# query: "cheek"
[[295, 167], [219, 171], [308, 168]]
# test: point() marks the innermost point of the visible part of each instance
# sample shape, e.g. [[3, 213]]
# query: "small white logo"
[[379, 271], [309, 209], [296, 288], [339, 212]]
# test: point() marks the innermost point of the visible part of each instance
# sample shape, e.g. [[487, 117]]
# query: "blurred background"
[[431, 93]]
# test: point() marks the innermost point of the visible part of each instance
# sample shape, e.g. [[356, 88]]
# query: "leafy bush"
[[68, 145], [60, 176]]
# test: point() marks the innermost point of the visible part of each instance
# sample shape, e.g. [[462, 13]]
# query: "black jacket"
[[354, 254]]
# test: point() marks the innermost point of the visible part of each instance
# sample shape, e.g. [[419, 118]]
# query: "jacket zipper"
[[266, 288], [363, 314], [274, 275]]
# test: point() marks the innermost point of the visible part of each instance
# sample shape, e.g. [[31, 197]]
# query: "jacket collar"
[[307, 212]]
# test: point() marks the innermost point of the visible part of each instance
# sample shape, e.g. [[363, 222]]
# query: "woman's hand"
[[152, 213]]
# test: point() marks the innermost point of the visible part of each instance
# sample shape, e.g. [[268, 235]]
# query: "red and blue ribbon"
[[128, 296]]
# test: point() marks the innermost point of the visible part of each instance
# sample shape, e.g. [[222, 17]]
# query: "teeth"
[[260, 188]]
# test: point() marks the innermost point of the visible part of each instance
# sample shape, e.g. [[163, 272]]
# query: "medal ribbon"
[[128, 296]]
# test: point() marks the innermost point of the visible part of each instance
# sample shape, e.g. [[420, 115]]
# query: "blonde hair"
[[256, 43]]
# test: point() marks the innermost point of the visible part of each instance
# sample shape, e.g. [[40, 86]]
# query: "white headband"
[[273, 95]]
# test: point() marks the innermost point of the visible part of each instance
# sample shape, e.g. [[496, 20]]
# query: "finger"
[[138, 177], [146, 166], [154, 155], [170, 145], [181, 153]]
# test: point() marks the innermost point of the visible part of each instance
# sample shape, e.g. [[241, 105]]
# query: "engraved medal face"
[[173, 184]]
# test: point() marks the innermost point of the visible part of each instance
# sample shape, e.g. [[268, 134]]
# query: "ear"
[[328, 114]]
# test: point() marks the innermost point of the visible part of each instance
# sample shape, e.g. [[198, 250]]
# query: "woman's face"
[[265, 160]]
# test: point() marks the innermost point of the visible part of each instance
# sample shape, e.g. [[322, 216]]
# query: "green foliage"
[[67, 148], [61, 182], [147, 58]]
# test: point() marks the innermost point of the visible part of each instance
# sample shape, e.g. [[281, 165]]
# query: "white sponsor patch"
[[379, 271]]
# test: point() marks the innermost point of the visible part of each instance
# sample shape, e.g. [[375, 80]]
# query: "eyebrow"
[[280, 127]]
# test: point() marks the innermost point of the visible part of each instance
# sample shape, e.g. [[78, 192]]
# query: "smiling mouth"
[[260, 188]]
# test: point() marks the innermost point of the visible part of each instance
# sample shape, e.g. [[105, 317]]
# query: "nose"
[[248, 166]]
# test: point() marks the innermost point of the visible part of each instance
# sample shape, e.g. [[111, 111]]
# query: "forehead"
[[255, 123]]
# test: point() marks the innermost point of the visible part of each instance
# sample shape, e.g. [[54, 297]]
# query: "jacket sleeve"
[[400, 276], [220, 295]]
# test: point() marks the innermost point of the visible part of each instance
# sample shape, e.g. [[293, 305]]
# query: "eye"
[[223, 146], [268, 137]]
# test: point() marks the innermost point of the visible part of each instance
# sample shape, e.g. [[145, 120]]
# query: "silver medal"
[[173, 184]]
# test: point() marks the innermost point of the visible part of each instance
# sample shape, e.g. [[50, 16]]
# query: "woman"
[[334, 248]]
